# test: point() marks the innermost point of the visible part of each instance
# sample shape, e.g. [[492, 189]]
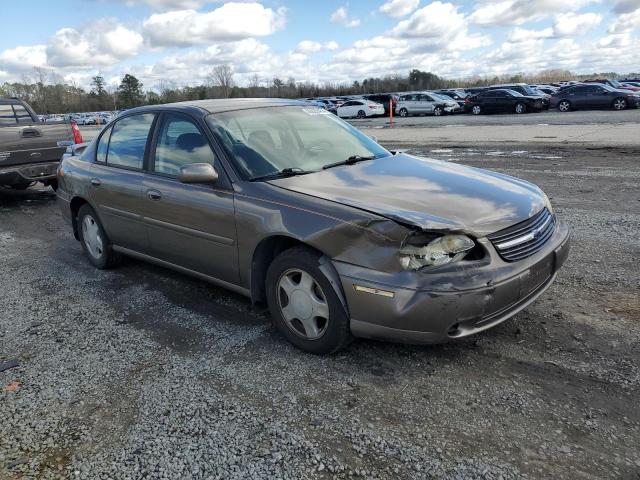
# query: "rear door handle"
[[96, 182], [154, 194]]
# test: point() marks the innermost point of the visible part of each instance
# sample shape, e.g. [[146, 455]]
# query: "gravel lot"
[[144, 373]]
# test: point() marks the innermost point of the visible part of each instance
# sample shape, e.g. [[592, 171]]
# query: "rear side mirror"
[[198, 173]]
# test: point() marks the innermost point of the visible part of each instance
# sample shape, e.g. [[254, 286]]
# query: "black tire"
[[619, 104], [361, 114], [337, 334], [520, 108], [564, 106], [404, 112], [476, 110], [438, 111], [107, 257]]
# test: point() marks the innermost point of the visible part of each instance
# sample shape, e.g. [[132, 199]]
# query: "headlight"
[[442, 250]]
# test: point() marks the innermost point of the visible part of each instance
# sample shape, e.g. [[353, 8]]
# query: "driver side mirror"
[[198, 173]]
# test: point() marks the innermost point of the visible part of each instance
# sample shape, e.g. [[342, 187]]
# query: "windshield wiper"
[[285, 172], [349, 161]]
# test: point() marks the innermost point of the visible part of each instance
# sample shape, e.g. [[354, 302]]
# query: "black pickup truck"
[[30, 150]]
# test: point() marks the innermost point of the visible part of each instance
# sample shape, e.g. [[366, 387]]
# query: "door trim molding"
[[189, 231]]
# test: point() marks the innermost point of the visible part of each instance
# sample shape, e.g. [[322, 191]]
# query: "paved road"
[[551, 117]]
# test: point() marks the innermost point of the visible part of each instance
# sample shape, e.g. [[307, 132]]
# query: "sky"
[[179, 42]]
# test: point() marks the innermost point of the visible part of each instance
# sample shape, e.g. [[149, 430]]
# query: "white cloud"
[[307, 46], [518, 12], [570, 24], [341, 17], [331, 45], [231, 21], [565, 25], [23, 58], [626, 22], [399, 8], [435, 20], [100, 43], [626, 6]]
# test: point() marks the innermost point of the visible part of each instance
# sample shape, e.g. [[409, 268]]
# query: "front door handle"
[[154, 195], [96, 182]]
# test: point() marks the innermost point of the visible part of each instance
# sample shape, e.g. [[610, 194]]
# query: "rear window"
[[7, 116], [129, 140]]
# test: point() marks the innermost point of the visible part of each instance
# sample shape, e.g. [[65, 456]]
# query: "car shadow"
[[32, 196]]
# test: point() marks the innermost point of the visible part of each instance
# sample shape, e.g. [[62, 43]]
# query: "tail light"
[[467, 101], [77, 136]]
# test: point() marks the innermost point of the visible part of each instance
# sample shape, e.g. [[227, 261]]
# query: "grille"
[[525, 238]]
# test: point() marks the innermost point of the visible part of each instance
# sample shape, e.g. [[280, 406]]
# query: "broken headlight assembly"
[[438, 251]]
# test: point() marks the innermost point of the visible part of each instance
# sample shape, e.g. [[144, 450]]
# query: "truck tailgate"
[[34, 143]]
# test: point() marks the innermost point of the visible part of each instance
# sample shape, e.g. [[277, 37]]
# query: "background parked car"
[[360, 109], [593, 95], [450, 105], [613, 84], [387, 100], [526, 90], [30, 149], [420, 104], [502, 100]]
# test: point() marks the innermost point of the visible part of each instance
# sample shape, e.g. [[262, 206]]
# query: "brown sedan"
[[289, 205]]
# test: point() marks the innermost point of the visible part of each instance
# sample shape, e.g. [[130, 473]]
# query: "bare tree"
[[222, 76]]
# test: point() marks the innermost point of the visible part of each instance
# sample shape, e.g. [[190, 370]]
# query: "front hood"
[[429, 194]]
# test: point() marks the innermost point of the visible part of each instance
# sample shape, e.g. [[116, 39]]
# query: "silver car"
[[423, 104]]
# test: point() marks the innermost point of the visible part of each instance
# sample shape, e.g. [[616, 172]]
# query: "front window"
[[615, 83], [265, 141], [180, 143], [513, 93]]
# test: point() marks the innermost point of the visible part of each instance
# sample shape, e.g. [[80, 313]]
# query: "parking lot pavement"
[[550, 117], [140, 371]]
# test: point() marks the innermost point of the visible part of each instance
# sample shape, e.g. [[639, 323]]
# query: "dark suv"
[[589, 96]]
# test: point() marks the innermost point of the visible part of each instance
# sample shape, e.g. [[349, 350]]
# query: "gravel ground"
[[140, 372]]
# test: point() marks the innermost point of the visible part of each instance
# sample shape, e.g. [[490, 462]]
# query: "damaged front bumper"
[[424, 308]]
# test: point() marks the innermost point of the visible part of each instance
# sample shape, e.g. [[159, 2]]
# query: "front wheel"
[[303, 304], [521, 108], [564, 106], [619, 104], [438, 111], [361, 114], [404, 112], [95, 242]]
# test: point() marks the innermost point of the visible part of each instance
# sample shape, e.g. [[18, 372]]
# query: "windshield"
[[266, 141], [440, 96], [529, 90], [614, 83]]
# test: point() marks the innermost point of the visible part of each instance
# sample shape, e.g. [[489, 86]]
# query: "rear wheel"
[[476, 110], [521, 108], [404, 112], [361, 114], [304, 305], [564, 106], [438, 111], [619, 104], [95, 242]]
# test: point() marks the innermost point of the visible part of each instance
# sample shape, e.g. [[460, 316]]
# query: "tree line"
[[50, 94]]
